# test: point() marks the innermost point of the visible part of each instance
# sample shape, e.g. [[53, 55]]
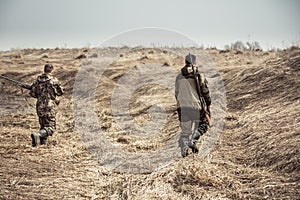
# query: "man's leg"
[[202, 128], [184, 137], [47, 127]]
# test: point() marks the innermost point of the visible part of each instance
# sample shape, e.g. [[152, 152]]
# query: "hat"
[[190, 58]]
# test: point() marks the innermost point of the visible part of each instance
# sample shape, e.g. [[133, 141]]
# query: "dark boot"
[[43, 141], [35, 139], [192, 144], [183, 143], [43, 136], [184, 151]]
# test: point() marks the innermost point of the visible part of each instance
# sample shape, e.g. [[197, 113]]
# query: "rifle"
[[201, 98], [23, 85]]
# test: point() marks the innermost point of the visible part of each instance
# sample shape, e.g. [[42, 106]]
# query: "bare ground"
[[256, 157]]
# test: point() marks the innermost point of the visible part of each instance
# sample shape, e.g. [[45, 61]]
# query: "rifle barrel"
[[6, 78], [23, 85]]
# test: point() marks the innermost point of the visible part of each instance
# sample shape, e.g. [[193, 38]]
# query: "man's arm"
[[176, 86], [33, 89], [176, 95], [206, 94], [59, 90], [205, 90]]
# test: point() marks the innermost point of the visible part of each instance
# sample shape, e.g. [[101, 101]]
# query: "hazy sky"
[[73, 23]]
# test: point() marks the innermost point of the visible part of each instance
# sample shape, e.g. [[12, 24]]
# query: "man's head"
[[190, 59], [48, 68]]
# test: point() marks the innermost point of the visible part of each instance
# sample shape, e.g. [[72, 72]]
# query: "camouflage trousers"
[[188, 129], [48, 123], [193, 125]]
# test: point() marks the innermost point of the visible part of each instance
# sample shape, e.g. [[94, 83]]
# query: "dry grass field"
[[256, 155]]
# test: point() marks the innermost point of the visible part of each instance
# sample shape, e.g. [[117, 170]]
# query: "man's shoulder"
[[53, 79], [179, 76], [202, 78], [202, 75]]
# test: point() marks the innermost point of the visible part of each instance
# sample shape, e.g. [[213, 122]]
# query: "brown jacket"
[[186, 90]]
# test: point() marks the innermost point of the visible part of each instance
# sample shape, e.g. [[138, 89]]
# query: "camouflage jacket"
[[186, 90], [46, 89]]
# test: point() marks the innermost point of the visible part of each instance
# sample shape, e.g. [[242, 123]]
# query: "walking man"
[[46, 89], [190, 87]]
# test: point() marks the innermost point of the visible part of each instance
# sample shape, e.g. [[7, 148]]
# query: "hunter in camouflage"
[[46, 89], [191, 115]]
